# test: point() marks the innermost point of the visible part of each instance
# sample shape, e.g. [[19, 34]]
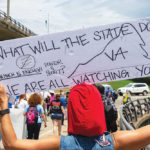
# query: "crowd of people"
[[55, 105], [37, 107], [92, 116]]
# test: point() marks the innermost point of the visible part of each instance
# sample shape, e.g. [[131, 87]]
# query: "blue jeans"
[[77, 142], [56, 116]]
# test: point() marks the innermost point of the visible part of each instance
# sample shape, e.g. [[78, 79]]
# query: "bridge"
[[11, 29]]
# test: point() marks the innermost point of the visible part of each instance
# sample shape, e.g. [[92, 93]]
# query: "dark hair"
[[57, 95], [52, 94], [67, 94], [101, 89]]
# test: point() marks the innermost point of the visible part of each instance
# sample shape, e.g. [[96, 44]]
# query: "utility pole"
[[8, 9]]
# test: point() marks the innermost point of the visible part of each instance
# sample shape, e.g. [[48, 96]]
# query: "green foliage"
[[142, 80], [118, 84]]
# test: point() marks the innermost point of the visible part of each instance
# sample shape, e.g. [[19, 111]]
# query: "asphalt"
[[48, 131]]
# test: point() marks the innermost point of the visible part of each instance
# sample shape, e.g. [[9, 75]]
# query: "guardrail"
[[133, 112], [13, 22]]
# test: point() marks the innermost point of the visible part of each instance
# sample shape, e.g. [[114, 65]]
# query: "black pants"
[[111, 126], [33, 130]]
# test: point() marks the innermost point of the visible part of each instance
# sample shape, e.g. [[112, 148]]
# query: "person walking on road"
[[111, 113], [47, 101], [22, 102], [56, 109], [34, 112]]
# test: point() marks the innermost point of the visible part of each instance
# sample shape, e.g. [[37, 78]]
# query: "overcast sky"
[[67, 15]]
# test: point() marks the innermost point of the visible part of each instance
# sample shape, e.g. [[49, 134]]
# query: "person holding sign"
[[86, 131]]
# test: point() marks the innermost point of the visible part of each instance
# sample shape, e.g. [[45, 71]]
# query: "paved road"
[[48, 131]]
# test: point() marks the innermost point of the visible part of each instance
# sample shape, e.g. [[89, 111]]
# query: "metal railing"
[[132, 112], [13, 22]]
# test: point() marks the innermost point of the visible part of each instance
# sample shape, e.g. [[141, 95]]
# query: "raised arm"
[[133, 139], [9, 138]]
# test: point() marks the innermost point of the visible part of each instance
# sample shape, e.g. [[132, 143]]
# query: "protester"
[[44, 105], [47, 101], [56, 109], [126, 97], [63, 100], [22, 102], [108, 92], [85, 130], [52, 96], [111, 113], [115, 95], [67, 96], [34, 111], [61, 93], [111, 94]]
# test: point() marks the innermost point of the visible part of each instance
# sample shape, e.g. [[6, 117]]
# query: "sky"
[[64, 15]]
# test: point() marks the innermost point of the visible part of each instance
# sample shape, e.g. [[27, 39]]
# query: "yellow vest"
[[125, 97]]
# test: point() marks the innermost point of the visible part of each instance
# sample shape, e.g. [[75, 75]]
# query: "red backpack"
[[32, 115]]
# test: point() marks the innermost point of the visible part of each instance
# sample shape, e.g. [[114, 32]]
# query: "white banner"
[[99, 54]]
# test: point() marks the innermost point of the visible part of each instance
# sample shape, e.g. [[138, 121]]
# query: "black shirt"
[[56, 106]]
